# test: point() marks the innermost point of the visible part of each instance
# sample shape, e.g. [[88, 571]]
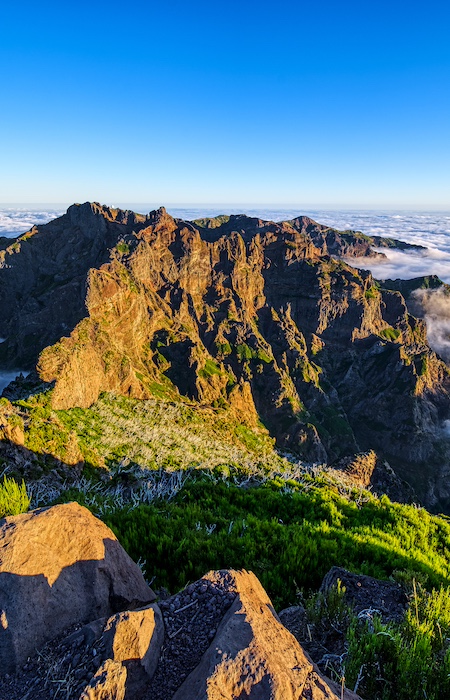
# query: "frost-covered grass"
[[153, 434]]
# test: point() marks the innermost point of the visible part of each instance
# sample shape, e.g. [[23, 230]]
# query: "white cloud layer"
[[13, 222], [431, 230], [435, 304], [406, 265]]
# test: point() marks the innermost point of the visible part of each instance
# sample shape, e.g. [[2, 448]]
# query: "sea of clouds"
[[435, 305], [13, 222], [429, 229]]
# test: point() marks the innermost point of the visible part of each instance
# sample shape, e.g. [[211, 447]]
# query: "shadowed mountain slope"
[[236, 313]]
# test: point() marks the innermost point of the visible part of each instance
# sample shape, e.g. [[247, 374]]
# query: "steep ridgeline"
[[235, 312]]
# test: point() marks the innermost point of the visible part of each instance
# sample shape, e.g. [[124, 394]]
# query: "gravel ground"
[[191, 620], [60, 671], [64, 666]]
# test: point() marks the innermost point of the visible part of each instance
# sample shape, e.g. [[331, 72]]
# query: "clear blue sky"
[[338, 104]]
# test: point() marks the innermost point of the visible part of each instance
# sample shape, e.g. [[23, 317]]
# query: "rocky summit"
[[266, 320], [219, 638]]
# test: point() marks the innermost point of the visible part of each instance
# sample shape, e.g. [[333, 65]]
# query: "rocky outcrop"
[[349, 244], [237, 312], [136, 635], [11, 426], [368, 471], [218, 638], [59, 566], [408, 287], [253, 655], [43, 277], [131, 643]]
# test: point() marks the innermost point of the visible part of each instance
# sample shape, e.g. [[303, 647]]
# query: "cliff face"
[[43, 277], [234, 312]]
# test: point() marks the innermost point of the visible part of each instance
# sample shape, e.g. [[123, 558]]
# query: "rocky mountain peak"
[[157, 215], [84, 214], [260, 317]]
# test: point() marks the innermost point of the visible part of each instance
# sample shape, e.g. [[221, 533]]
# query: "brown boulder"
[[134, 638], [59, 566], [253, 655], [11, 426]]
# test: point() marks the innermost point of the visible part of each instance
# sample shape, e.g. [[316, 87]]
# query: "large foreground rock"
[[253, 655], [59, 566]]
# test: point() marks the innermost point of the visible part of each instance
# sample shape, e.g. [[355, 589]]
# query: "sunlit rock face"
[[59, 566], [236, 312]]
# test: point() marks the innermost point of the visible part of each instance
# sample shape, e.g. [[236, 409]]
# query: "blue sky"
[[331, 104]]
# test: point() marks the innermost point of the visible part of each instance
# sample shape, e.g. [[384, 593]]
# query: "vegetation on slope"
[[188, 490], [160, 433], [409, 660], [289, 532]]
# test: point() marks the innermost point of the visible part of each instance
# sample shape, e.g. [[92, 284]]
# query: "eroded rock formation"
[[237, 312]]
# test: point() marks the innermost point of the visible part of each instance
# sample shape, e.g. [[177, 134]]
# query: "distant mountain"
[[256, 316]]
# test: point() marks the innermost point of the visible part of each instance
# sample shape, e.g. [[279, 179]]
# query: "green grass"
[[209, 370], [424, 366], [212, 222], [224, 348], [123, 248], [263, 356], [246, 353], [409, 660], [390, 333], [289, 534], [14, 498], [356, 234], [163, 432], [372, 292]]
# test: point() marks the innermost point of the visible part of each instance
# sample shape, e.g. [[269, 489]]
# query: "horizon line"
[[232, 205]]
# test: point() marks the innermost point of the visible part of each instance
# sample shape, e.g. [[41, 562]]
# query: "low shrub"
[[390, 333], [289, 538], [409, 660], [14, 498]]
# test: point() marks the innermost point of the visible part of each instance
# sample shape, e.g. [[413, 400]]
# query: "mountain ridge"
[[248, 315]]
